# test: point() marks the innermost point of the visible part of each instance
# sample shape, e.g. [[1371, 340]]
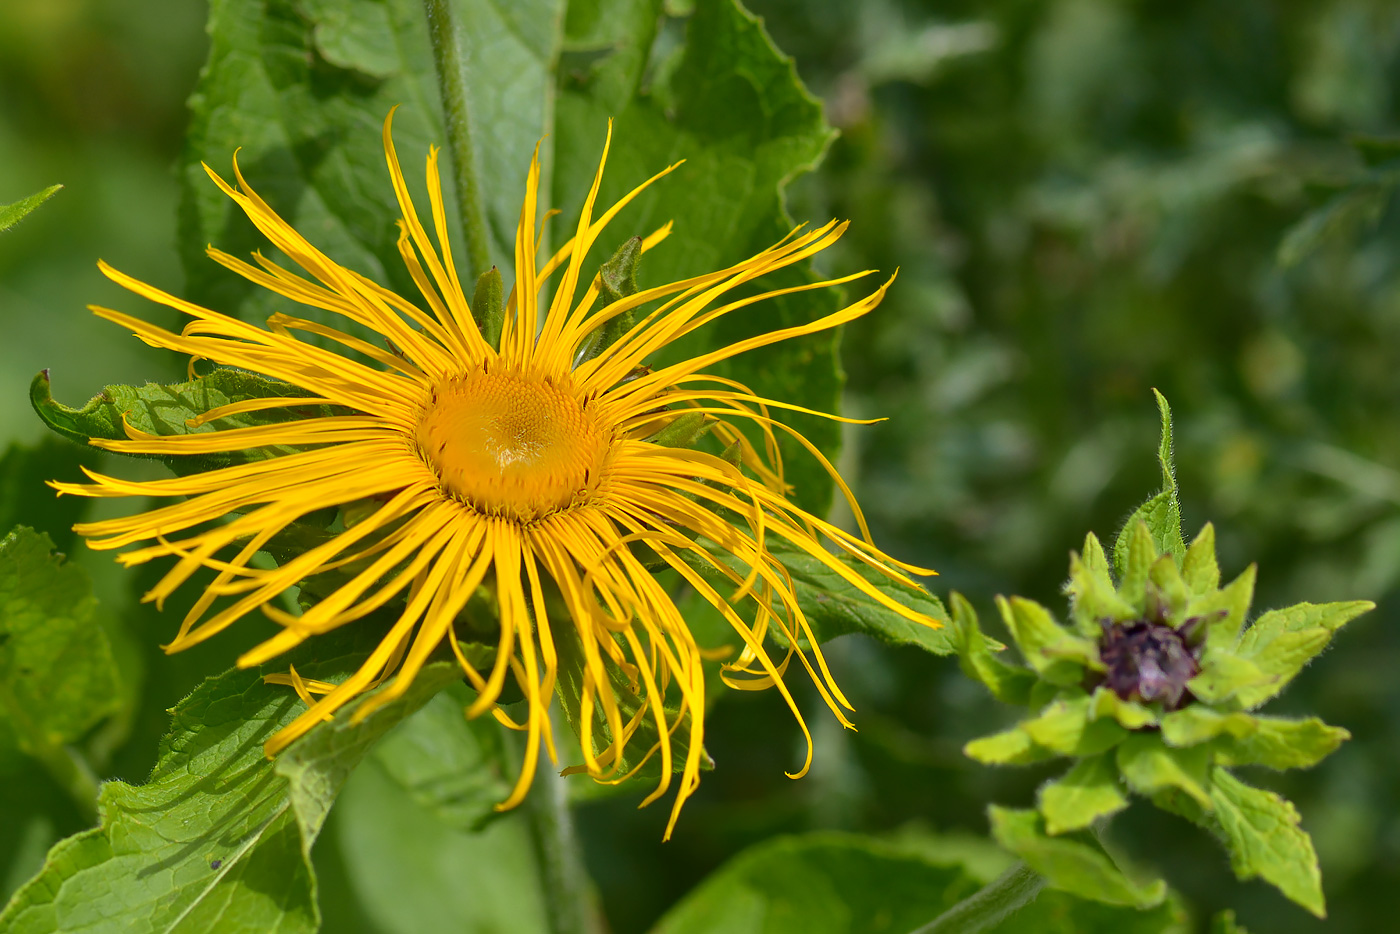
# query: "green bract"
[[1152, 687]]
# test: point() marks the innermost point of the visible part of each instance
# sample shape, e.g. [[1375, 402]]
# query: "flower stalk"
[[447, 61], [560, 858]]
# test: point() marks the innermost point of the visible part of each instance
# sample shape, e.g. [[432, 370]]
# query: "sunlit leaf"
[[227, 832]]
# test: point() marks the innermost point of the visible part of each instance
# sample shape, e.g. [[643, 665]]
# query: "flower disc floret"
[[512, 445], [1147, 661]]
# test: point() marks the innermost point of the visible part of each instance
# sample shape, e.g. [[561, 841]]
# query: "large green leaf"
[[219, 837], [303, 86], [453, 768], [733, 106], [1082, 795], [389, 865], [167, 410], [58, 678], [819, 884], [833, 606]]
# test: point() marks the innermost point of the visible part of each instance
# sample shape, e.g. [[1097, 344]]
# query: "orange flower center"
[[512, 445]]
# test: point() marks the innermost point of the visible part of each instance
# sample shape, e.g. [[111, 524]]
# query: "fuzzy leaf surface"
[[1260, 830], [1281, 642], [11, 214], [1162, 511], [1150, 766]]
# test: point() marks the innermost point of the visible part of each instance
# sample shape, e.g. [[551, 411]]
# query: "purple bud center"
[[1148, 662]]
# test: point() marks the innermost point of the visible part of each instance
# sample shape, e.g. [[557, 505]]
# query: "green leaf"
[[1162, 511], [1082, 795], [1224, 610], [1197, 723], [1009, 747], [1064, 727], [1166, 589], [1199, 569], [1260, 830], [230, 830], [12, 214], [167, 410], [1281, 642], [1149, 766], [835, 607], [1008, 684], [1057, 654], [1093, 598], [1130, 714], [733, 106], [390, 864], [303, 87], [823, 883], [1224, 676], [1072, 864], [58, 678], [1282, 744], [453, 768], [646, 736], [1139, 555]]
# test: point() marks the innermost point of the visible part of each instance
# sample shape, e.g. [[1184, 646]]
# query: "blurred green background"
[[1086, 199]]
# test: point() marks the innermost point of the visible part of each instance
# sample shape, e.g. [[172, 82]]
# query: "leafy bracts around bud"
[[1152, 688]]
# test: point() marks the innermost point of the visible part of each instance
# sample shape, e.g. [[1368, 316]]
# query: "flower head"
[[539, 466], [1152, 689]]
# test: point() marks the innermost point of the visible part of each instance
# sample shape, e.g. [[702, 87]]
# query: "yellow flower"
[[526, 467]]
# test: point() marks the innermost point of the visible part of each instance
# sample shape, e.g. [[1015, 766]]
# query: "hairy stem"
[[990, 905], [568, 903], [447, 59]]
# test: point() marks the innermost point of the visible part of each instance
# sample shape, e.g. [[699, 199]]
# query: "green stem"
[[563, 878], [990, 905], [447, 58]]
